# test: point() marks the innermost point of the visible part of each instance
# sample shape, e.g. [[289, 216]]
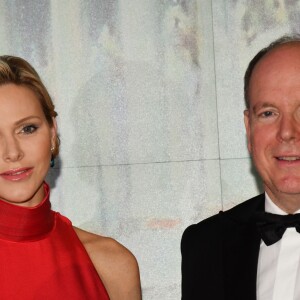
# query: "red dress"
[[42, 258]]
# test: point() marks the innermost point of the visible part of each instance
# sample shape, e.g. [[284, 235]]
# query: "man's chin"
[[290, 191], [284, 189]]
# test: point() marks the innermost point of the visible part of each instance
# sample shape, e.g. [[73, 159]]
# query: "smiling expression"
[[25, 142], [273, 121]]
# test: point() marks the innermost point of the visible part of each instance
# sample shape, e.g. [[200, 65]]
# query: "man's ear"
[[247, 126]]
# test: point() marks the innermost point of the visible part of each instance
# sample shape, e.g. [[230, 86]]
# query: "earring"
[[52, 162]]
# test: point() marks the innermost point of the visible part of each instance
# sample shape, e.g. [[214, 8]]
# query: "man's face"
[[273, 121]]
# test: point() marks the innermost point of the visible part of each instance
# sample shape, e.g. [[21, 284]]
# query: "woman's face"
[[25, 142]]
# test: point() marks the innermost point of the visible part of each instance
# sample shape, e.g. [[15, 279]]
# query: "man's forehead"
[[281, 52], [276, 76], [277, 66]]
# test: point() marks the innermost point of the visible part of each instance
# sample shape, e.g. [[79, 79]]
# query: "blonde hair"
[[18, 71]]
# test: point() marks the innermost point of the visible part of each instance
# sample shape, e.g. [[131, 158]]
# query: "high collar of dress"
[[25, 224]]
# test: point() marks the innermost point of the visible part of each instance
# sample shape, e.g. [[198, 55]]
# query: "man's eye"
[[266, 114], [29, 129]]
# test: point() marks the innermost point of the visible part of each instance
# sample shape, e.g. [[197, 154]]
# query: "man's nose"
[[289, 129]]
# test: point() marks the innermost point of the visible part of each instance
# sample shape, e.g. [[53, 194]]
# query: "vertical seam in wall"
[[216, 97]]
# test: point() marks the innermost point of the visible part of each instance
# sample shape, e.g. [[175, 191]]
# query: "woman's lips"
[[17, 174]]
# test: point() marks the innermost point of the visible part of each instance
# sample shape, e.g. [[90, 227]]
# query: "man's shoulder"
[[247, 207], [208, 224], [217, 224]]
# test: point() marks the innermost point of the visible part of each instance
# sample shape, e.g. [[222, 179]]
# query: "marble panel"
[[239, 181], [140, 97], [144, 206]]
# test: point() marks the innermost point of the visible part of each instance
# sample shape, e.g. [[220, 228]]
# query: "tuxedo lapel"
[[240, 249]]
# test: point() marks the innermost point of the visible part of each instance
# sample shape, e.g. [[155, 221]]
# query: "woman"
[[41, 255]]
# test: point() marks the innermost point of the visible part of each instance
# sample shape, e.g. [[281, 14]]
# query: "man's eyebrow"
[[27, 119], [263, 105]]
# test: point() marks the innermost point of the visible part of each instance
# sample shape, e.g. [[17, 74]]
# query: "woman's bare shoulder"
[[116, 265]]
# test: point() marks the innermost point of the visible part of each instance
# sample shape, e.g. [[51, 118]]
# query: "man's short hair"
[[282, 40]]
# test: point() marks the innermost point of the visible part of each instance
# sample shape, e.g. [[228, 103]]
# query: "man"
[[245, 253]]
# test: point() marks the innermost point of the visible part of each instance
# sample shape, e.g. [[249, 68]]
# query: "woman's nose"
[[11, 149]]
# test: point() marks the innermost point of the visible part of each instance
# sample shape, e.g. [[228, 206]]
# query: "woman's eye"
[[29, 129]]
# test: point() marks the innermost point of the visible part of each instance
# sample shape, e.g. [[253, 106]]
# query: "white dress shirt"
[[278, 272]]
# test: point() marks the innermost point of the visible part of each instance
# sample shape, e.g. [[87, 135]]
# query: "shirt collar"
[[272, 208]]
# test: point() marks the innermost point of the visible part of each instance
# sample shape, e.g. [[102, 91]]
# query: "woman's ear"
[[53, 131]]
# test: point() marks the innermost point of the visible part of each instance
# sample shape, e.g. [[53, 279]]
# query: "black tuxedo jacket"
[[220, 255]]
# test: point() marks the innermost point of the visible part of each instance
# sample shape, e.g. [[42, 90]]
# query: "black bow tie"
[[272, 227]]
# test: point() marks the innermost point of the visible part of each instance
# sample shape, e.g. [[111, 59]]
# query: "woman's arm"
[[116, 266]]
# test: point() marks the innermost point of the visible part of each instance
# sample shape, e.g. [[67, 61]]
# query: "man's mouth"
[[288, 158]]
